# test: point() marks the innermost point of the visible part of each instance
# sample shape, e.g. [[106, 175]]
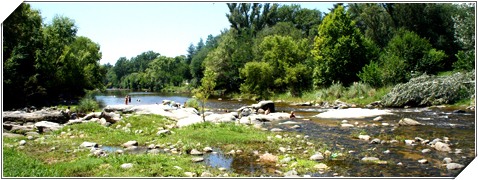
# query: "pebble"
[[452, 166], [317, 157], [197, 159], [386, 151], [278, 136], [22, 142], [399, 164], [423, 161], [207, 149], [206, 174], [127, 165], [426, 151], [282, 149], [30, 137], [379, 118], [375, 141], [222, 169], [295, 127], [364, 137], [189, 174], [321, 166], [447, 160], [195, 152], [276, 130], [409, 142]]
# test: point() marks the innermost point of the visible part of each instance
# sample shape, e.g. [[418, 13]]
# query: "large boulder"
[[36, 116], [264, 105], [46, 126], [111, 117]]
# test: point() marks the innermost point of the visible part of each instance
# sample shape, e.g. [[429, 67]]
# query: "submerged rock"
[[452, 166], [408, 122], [442, 147]]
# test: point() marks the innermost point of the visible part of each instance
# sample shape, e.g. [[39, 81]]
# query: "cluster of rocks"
[[440, 145], [337, 104]]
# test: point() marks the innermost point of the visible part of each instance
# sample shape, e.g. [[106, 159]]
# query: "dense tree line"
[[268, 49], [46, 63], [272, 48]]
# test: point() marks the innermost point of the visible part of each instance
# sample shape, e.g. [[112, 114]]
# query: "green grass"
[[358, 93], [18, 164], [57, 154]]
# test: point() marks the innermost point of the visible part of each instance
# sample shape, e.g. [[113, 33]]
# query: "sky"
[[126, 29]]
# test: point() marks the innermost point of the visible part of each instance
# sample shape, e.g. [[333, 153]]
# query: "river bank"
[[376, 145]]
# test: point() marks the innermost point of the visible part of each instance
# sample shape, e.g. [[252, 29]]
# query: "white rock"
[[364, 137], [195, 152], [127, 165], [88, 145], [347, 125], [189, 174], [321, 166], [130, 143], [454, 166], [442, 147], [316, 157], [22, 142], [447, 160], [426, 151], [378, 118], [423, 161], [207, 149]]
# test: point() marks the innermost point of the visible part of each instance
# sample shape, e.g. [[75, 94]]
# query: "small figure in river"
[[129, 98], [126, 100], [268, 111], [292, 115]]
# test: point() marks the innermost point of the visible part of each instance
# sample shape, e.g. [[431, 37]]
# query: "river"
[[402, 159]]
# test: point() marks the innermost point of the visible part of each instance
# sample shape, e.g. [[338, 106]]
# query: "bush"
[[192, 103], [371, 74], [465, 60], [336, 90], [87, 104], [428, 90], [358, 89]]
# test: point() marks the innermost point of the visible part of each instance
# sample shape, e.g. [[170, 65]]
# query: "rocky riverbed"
[[355, 142]]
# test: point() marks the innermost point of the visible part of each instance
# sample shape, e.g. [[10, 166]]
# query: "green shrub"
[[87, 104], [371, 74], [192, 103], [336, 90], [358, 89], [465, 60]]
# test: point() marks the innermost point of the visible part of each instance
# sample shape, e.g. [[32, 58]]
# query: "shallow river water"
[[443, 123]]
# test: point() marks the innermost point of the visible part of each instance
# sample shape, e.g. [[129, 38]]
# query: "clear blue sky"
[[126, 29]]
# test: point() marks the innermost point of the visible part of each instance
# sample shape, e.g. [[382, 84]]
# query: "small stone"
[[364, 137], [295, 127], [345, 122], [317, 157], [321, 166], [127, 165], [195, 152], [385, 124], [306, 136], [399, 164], [458, 151], [268, 158], [222, 169], [206, 174], [386, 151], [452, 166], [409, 142], [278, 136], [367, 159], [282, 149], [22, 142], [423, 161], [163, 132], [207, 149], [276, 130], [442, 146], [426, 151], [375, 141], [130, 143], [238, 151], [197, 159], [408, 122], [151, 146], [231, 152], [347, 125], [189, 174], [447, 160], [30, 137], [177, 167], [393, 141], [154, 151], [285, 160], [379, 118], [119, 151], [291, 173]]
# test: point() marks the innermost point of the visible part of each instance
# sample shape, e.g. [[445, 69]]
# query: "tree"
[[339, 50], [374, 22], [206, 89], [258, 79], [22, 39]]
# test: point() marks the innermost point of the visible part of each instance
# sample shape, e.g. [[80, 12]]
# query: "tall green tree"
[[208, 83], [22, 39], [339, 50]]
